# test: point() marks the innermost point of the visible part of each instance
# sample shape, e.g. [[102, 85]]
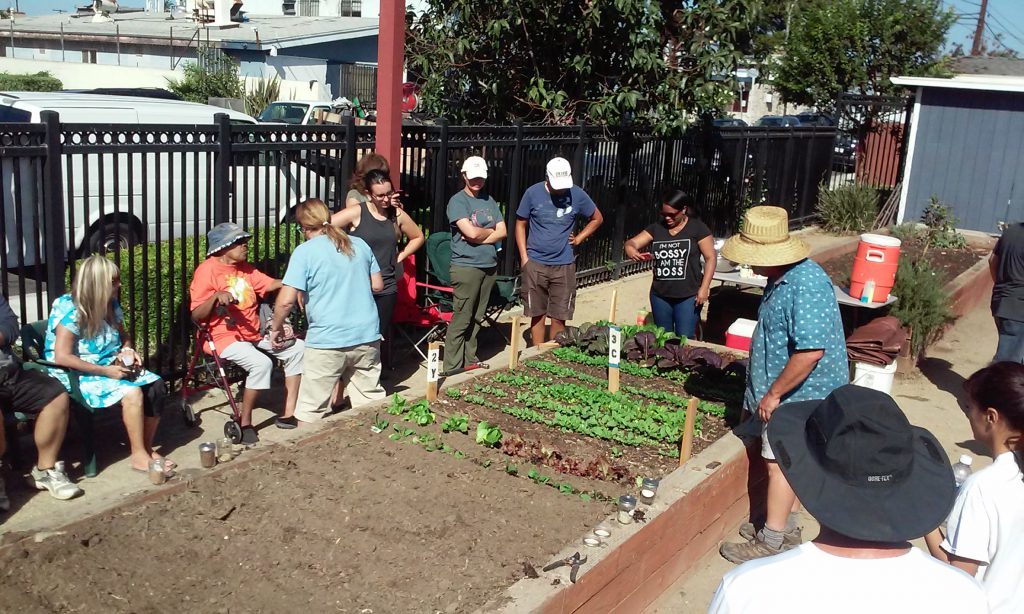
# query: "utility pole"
[[979, 42], [390, 59]]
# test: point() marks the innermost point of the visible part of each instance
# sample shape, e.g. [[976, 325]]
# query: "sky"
[[1006, 17]]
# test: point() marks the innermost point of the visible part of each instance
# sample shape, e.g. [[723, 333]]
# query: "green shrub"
[[199, 83], [38, 82], [941, 223], [259, 97], [923, 304], [155, 278], [850, 208], [907, 232]]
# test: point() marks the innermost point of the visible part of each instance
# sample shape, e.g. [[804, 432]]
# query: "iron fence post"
[[579, 158], [348, 159], [53, 208], [515, 192], [222, 170], [625, 164], [439, 218]]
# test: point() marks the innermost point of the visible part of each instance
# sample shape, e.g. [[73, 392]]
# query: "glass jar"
[[224, 449], [627, 503], [156, 471], [648, 488]]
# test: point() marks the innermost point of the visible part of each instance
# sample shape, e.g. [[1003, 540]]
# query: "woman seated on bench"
[[85, 333]]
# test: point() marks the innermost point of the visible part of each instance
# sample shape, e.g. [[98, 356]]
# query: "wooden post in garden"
[[614, 340], [686, 447], [433, 369], [611, 308], [513, 348]]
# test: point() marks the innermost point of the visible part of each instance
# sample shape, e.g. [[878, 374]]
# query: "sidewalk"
[[929, 398]]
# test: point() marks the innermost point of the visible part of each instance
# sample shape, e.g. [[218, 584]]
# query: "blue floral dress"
[[102, 349]]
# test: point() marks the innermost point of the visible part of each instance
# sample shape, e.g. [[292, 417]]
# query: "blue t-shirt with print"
[[339, 302], [552, 218], [797, 312]]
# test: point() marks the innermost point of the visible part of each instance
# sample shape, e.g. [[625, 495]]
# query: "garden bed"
[[429, 510]]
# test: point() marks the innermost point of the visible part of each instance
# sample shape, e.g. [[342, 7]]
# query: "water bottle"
[[962, 469], [868, 294]]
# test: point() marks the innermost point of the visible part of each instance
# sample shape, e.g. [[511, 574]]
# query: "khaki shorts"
[[549, 290], [358, 369]]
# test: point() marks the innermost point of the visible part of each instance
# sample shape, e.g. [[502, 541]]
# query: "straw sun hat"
[[764, 240]]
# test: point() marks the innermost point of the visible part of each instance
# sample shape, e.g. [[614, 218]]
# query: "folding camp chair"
[[410, 318], [506, 288]]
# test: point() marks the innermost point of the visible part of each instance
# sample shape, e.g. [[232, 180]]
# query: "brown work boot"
[[750, 550], [789, 538]]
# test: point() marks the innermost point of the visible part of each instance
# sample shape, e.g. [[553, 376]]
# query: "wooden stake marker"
[[513, 348], [611, 308], [614, 345], [433, 369], [686, 446]]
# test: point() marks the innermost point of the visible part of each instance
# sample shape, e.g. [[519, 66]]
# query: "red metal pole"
[[390, 59]]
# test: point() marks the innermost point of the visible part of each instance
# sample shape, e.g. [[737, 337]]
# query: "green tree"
[[855, 46], [558, 62], [214, 75]]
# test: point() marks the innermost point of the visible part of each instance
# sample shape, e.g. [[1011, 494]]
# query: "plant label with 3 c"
[[614, 345]]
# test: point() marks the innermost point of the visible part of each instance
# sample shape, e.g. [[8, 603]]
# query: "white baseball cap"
[[559, 174], [475, 167]]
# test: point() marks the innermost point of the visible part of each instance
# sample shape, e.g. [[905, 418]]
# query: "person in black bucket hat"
[[873, 481]]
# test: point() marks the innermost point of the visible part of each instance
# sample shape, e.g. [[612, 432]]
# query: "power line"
[[1008, 30]]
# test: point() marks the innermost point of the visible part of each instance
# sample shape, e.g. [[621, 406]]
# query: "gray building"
[[966, 144], [295, 48]]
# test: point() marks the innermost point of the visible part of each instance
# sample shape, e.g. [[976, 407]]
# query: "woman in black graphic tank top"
[[677, 242]]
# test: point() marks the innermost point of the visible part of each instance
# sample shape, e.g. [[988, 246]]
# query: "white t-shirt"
[[987, 525], [808, 580]]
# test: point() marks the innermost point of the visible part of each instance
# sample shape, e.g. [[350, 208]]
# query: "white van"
[[106, 204]]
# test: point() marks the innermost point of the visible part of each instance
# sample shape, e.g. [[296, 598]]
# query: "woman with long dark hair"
[[985, 530], [382, 224], [680, 286], [337, 274]]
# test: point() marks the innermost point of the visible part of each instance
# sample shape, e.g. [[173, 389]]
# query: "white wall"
[[84, 76], [74, 56]]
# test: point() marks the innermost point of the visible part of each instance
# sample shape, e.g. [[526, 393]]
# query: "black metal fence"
[[872, 134], [149, 193]]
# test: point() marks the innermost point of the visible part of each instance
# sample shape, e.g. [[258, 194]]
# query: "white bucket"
[[874, 377]]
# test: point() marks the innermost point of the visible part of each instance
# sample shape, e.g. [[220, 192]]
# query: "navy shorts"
[[27, 391]]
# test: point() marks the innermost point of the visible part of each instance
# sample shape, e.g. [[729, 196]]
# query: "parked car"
[[296, 112], [105, 208], [815, 119], [728, 122], [844, 153], [778, 121]]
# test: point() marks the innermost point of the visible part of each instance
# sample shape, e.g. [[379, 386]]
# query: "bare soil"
[[352, 522], [949, 263]]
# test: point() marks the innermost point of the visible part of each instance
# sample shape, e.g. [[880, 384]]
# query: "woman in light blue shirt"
[[337, 275]]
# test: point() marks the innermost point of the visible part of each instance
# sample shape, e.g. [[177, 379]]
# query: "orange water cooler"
[[877, 259]]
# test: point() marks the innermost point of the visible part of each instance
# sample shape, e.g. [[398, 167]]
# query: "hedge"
[[38, 82]]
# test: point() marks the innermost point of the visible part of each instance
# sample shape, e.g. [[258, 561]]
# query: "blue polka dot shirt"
[[798, 312]]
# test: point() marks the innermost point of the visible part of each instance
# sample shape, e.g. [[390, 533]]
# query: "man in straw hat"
[[874, 482], [798, 353]]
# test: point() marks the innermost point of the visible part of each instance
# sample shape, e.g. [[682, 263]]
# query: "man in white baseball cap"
[[549, 210]]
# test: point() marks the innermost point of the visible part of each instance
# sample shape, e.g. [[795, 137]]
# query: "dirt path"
[[928, 397]]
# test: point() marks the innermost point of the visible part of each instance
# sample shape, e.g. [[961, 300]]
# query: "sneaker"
[[750, 550], [791, 538], [56, 481], [249, 436], [5, 503], [286, 423]]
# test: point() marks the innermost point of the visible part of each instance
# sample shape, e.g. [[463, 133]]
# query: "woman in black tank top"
[[381, 222]]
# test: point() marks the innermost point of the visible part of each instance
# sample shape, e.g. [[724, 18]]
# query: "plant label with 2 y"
[[614, 345], [433, 364]]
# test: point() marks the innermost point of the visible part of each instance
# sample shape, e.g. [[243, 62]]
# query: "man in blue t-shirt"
[[549, 209]]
